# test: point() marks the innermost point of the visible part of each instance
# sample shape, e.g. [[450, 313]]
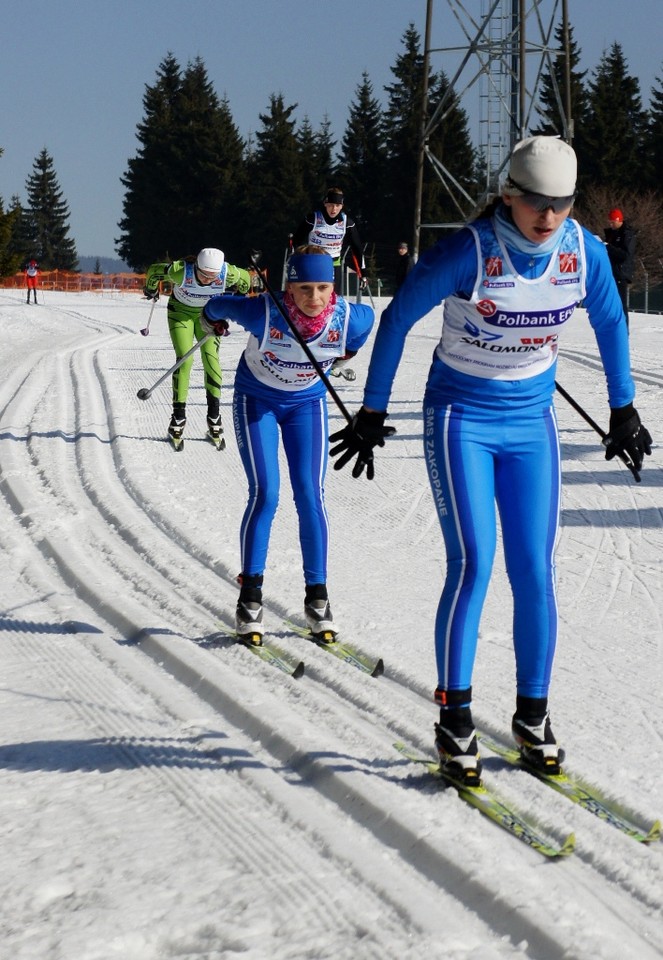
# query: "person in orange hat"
[[620, 242]]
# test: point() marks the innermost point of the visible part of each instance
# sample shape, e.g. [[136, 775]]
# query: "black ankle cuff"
[[453, 698], [315, 591], [250, 587], [531, 710], [458, 720]]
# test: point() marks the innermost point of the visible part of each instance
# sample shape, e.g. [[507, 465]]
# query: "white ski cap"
[[545, 165], [210, 260]]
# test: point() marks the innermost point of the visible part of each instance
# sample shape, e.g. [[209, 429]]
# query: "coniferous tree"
[[611, 143], [233, 184], [150, 188], [446, 193], [552, 96], [206, 154], [402, 128], [448, 142], [360, 168], [655, 137], [23, 241], [10, 261], [316, 149], [183, 187], [276, 200], [49, 217]]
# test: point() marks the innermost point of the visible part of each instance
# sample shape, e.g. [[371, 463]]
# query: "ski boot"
[[457, 746], [317, 611], [533, 734], [175, 431], [215, 432], [536, 742], [248, 615]]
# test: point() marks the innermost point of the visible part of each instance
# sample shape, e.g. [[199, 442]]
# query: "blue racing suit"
[[490, 434], [278, 389]]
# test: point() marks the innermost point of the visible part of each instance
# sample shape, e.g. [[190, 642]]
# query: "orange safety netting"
[[77, 282], [70, 281]]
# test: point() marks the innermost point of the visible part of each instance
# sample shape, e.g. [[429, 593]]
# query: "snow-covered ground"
[[165, 794]]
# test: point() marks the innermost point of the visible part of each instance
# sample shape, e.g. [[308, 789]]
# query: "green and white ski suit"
[[185, 306]]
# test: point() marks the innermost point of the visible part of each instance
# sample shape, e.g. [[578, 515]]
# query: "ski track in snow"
[[272, 817]]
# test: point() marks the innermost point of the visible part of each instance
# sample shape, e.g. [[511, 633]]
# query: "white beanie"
[[544, 165]]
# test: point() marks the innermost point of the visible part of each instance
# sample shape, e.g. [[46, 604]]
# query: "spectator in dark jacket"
[[620, 241], [404, 263]]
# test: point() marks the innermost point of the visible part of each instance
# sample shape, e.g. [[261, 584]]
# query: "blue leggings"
[[304, 431], [473, 462]]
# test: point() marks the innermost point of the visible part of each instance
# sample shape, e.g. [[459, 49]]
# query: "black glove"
[[150, 294], [219, 328], [627, 438], [366, 431]]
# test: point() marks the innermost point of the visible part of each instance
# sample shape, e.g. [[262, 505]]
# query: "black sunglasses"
[[540, 202]]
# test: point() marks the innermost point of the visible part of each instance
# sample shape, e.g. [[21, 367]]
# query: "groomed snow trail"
[[166, 794]]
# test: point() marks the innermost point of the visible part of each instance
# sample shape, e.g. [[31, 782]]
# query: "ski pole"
[[602, 434], [146, 329], [145, 392], [288, 252], [303, 344]]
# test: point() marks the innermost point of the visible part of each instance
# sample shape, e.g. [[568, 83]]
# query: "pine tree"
[[611, 144], [23, 241], [360, 168], [316, 149], [10, 261], [276, 200], [402, 128], [206, 155], [552, 96], [150, 188], [183, 187], [49, 216], [232, 186], [10, 258], [449, 142], [448, 189], [655, 136]]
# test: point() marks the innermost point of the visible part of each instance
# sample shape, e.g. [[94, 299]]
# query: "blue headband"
[[310, 267]]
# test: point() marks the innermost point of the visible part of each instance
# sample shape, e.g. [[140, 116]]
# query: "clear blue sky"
[[73, 74]]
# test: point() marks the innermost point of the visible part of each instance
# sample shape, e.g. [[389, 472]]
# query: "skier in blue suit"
[[277, 389], [510, 281]]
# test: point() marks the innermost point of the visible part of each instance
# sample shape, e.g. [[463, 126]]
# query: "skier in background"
[[194, 281], [278, 391], [509, 281], [31, 277], [336, 232]]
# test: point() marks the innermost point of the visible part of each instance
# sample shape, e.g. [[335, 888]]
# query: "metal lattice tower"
[[507, 50]]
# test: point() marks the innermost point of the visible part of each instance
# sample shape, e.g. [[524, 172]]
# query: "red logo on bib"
[[493, 266], [486, 308], [568, 263]]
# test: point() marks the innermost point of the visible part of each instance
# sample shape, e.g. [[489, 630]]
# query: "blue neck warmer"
[[511, 236]]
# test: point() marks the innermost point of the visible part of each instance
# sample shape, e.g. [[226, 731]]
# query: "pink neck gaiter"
[[307, 326]]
